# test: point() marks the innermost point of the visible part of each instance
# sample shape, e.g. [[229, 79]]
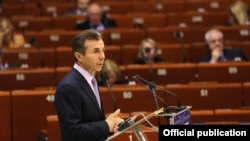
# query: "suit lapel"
[[88, 91]]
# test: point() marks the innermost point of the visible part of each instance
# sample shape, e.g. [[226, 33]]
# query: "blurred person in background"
[[9, 37], [110, 72], [217, 51], [81, 7], [238, 13], [147, 52], [96, 19]]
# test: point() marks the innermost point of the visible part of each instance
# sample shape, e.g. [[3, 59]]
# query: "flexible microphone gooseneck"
[[106, 79], [179, 35], [158, 97], [34, 42], [136, 77], [152, 90]]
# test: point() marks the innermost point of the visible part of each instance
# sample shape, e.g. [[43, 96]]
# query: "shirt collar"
[[84, 73]]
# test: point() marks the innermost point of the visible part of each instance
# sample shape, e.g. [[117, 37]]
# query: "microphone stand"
[[147, 50], [110, 91], [34, 42], [179, 36]]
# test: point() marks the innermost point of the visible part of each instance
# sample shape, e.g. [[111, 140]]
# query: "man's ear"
[[78, 56]]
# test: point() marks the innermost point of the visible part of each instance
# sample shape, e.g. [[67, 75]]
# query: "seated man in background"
[[217, 51], [147, 52], [96, 19], [80, 10]]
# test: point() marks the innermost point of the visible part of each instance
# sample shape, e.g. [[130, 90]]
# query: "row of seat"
[[145, 20], [123, 55], [124, 36], [180, 73], [20, 108], [43, 8]]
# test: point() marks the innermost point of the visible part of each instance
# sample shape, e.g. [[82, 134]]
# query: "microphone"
[[179, 35], [128, 122], [147, 50], [152, 90], [34, 42], [106, 79], [137, 77], [40, 7], [161, 99]]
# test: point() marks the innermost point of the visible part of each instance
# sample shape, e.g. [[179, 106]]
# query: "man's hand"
[[113, 121], [216, 53]]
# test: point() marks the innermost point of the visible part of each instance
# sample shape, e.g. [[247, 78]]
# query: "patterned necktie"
[[94, 83]]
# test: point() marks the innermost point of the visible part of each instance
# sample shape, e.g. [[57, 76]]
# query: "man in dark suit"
[[78, 103], [96, 19], [217, 51]]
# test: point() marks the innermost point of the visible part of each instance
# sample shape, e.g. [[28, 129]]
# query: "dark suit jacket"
[[231, 54], [79, 115], [108, 23]]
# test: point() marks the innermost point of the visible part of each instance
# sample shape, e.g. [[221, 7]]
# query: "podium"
[[175, 116]]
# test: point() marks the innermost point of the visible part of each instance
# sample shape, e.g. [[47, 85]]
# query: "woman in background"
[[9, 37], [238, 13], [147, 52], [110, 72]]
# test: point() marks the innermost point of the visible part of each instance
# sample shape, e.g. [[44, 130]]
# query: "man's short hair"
[[79, 40]]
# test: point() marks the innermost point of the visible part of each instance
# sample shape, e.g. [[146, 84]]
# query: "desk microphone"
[[137, 77], [106, 79], [34, 42], [128, 122]]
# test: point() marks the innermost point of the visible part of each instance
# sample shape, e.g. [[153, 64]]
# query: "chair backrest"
[[29, 111], [167, 35], [126, 36], [53, 128], [29, 57], [169, 73], [207, 96], [126, 96], [240, 115], [30, 23], [5, 116], [224, 72], [11, 79], [246, 94]]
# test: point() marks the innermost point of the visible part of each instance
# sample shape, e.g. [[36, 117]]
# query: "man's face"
[[215, 41], [83, 4], [94, 56], [95, 14]]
